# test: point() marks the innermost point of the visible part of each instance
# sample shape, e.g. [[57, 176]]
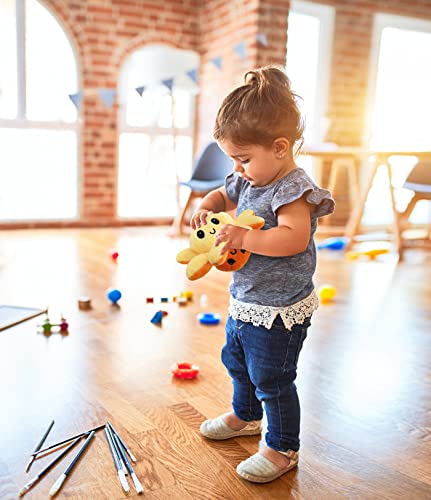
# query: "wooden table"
[[353, 158]]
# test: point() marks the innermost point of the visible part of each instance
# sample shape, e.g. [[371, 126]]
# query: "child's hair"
[[261, 110]]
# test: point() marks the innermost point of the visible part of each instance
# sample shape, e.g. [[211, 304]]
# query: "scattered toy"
[[188, 294], [184, 370], [338, 243], [372, 254], [84, 303], [150, 300], [114, 255], [157, 318], [113, 295], [209, 318], [326, 293]]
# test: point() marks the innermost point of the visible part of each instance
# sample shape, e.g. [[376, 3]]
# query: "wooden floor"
[[364, 374]]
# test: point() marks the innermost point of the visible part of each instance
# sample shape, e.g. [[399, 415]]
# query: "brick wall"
[[105, 32]]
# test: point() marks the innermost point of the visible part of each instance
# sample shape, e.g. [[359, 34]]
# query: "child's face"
[[255, 163]]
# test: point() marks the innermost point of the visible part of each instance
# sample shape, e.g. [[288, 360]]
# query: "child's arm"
[[215, 201], [290, 237]]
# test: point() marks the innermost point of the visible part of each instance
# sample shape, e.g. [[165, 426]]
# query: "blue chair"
[[419, 181], [209, 173]]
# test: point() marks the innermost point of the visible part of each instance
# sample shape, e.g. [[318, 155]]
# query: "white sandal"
[[217, 428], [258, 469]]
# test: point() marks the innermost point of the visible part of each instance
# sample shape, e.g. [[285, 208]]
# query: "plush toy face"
[[202, 253], [236, 259], [202, 239]]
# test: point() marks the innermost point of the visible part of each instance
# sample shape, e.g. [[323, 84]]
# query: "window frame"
[[380, 22], [22, 122], [150, 130], [326, 16]]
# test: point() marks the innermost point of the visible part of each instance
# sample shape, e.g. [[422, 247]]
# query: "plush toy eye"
[[200, 234], [215, 221]]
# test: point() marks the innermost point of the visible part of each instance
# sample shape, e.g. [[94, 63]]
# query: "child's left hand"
[[232, 235]]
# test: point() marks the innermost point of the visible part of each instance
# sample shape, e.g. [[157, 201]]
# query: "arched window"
[[156, 130], [309, 38], [38, 122]]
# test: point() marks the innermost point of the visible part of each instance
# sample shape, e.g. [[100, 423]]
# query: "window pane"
[[38, 172], [154, 108], [51, 68], [403, 100], [8, 56], [303, 45], [147, 174]]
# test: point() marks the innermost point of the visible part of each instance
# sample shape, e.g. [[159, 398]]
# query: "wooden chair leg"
[[178, 223]]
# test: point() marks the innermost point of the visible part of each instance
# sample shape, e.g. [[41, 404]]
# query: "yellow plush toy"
[[202, 253]]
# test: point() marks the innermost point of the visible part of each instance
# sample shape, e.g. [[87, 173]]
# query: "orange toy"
[[372, 253]]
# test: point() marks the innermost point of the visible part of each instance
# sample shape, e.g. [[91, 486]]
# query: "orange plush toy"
[[202, 253]]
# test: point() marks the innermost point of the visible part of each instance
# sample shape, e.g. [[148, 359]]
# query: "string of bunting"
[[108, 95]]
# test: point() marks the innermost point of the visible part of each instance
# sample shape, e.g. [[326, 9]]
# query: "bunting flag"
[[193, 75], [107, 96], [168, 83], [217, 61], [76, 99], [140, 90], [262, 39], [241, 50]]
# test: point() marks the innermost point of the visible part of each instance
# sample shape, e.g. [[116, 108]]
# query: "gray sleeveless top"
[[277, 281]]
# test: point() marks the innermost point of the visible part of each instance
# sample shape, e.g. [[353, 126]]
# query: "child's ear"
[[281, 147]]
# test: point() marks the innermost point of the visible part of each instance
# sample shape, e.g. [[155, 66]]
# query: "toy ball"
[[113, 295], [209, 318], [326, 293], [114, 255], [184, 370]]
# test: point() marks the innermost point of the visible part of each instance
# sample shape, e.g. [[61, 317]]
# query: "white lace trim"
[[265, 315]]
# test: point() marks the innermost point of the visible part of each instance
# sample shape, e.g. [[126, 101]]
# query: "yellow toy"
[[202, 253], [372, 253], [326, 293]]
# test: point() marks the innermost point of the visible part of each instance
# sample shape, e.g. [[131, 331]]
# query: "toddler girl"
[[272, 297]]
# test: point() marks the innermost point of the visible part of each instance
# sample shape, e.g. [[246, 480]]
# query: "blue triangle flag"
[[241, 50], [193, 75], [76, 99], [168, 83], [262, 39], [107, 96], [217, 61], [140, 90]]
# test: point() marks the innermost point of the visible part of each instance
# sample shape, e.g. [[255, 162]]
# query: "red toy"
[[184, 370]]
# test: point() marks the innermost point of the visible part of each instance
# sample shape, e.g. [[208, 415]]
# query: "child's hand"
[[199, 218], [233, 236]]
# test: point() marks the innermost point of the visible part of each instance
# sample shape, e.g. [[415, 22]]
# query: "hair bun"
[[254, 78]]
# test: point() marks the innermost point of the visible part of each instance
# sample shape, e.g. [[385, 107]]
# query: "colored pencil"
[[59, 483], [36, 478], [138, 486], [132, 457], [117, 451], [39, 446], [69, 439], [117, 463]]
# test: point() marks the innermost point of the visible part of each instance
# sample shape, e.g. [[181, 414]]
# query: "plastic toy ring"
[[209, 318], [184, 370]]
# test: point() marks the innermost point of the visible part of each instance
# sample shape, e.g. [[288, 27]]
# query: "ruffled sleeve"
[[233, 185], [294, 189]]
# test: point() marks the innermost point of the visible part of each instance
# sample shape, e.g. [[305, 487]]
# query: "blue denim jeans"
[[262, 364]]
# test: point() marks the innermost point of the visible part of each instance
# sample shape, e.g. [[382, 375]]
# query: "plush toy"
[[202, 253]]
